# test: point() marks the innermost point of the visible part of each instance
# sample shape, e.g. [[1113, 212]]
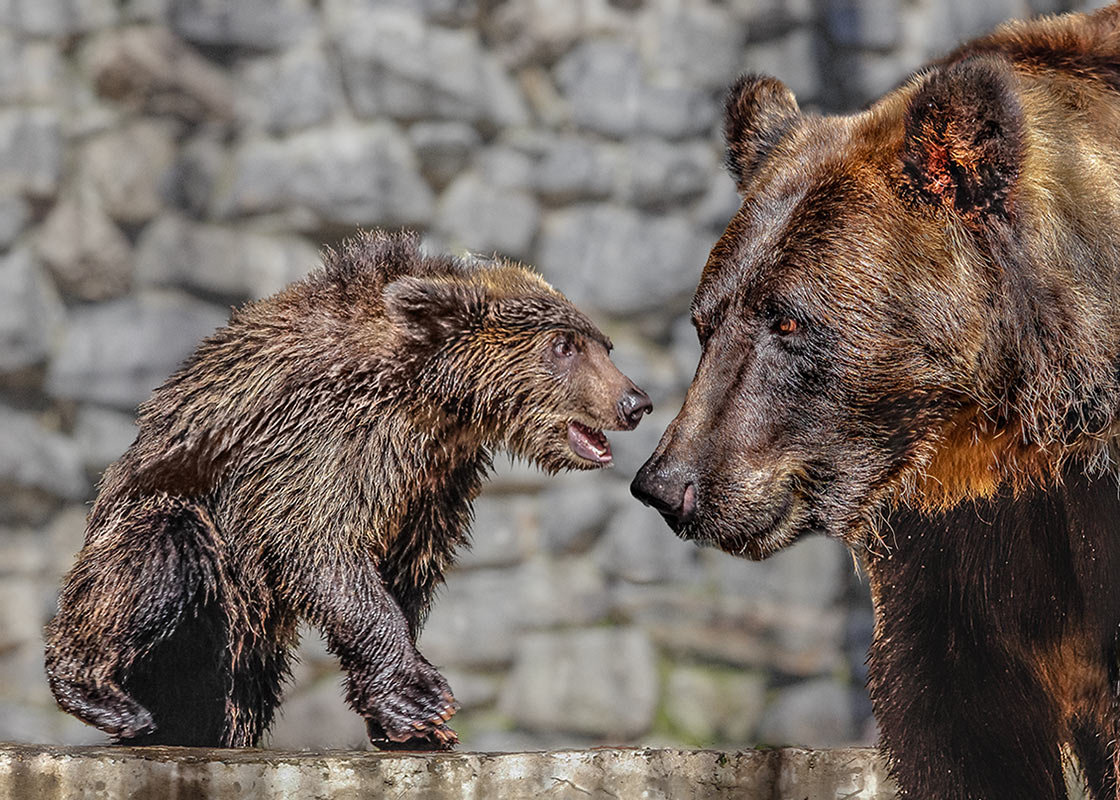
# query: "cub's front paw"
[[411, 710]]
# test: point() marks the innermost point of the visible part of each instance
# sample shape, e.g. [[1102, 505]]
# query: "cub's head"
[[848, 315], [509, 356]]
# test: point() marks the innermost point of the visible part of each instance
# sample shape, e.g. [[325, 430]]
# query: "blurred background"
[[164, 160]]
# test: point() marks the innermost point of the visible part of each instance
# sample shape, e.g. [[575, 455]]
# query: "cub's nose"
[[633, 404], [668, 491]]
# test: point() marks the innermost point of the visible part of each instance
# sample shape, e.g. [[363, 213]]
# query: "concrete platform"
[[174, 773]]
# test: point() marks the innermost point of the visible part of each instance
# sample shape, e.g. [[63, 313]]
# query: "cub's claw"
[[411, 711]]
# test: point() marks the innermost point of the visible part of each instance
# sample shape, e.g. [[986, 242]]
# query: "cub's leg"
[[140, 598], [405, 701], [259, 667]]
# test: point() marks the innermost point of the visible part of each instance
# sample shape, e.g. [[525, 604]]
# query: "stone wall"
[[162, 160]]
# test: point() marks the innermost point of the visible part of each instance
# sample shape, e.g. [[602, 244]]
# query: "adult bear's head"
[[867, 319]]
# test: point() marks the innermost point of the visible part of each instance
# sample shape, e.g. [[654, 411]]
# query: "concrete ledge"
[[179, 773]]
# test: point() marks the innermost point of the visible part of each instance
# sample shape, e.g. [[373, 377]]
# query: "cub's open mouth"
[[589, 444]]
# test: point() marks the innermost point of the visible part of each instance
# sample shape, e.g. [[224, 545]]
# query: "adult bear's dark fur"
[[317, 459], [916, 308]]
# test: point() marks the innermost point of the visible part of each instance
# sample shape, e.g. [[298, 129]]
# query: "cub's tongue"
[[588, 443]]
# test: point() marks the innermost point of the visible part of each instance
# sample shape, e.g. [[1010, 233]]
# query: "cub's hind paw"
[[105, 706]]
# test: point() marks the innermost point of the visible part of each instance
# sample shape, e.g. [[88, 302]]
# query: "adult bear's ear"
[[758, 112], [433, 309], [964, 139]]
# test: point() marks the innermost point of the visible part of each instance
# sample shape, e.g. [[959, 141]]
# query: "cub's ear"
[[433, 309], [964, 139], [758, 112]]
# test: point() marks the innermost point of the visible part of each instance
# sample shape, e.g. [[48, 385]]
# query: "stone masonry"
[[163, 160]]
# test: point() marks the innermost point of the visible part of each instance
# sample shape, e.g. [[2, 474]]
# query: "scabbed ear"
[[433, 309], [758, 112], [964, 139]]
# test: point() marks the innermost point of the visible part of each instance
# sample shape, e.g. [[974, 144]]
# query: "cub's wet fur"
[[316, 459]]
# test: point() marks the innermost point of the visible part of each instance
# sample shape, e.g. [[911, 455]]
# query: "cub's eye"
[[563, 347], [786, 326]]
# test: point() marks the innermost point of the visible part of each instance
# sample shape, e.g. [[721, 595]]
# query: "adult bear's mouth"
[[589, 444]]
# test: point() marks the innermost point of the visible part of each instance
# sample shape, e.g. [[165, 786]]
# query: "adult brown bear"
[[316, 459], [915, 309]]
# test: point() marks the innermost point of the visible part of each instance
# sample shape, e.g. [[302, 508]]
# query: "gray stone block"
[[444, 12], [218, 260], [602, 82], [255, 24], [63, 537], [574, 512], [30, 152], [503, 532], [116, 353], [815, 713], [102, 436], [14, 215], [289, 92], [393, 64], [33, 457], [870, 24], [316, 717], [569, 168], [146, 68], [718, 206], [661, 175], [129, 167], [639, 548], [607, 92], [969, 19], [472, 689], [618, 260], [477, 215], [693, 45], [20, 722], [23, 551], [31, 314], [506, 167], [30, 71], [477, 619], [541, 30], [443, 148], [88, 255], [201, 165], [792, 58], [146, 10], [810, 573], [57, 18], [600, 682], [709, 705], [347, 174], [677, 112], [763, 17]]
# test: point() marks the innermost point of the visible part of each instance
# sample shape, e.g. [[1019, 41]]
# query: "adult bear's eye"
[[786, 326]]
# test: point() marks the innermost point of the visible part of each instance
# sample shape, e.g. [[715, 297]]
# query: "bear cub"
[[316, 459]]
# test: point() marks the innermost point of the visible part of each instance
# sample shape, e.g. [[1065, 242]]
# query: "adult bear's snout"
[[670, 489]]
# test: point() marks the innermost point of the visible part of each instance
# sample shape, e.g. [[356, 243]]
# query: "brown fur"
[[915, 309], [317, 459]]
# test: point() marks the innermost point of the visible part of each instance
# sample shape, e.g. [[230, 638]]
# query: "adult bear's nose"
[[669, 489], [632, 406]]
